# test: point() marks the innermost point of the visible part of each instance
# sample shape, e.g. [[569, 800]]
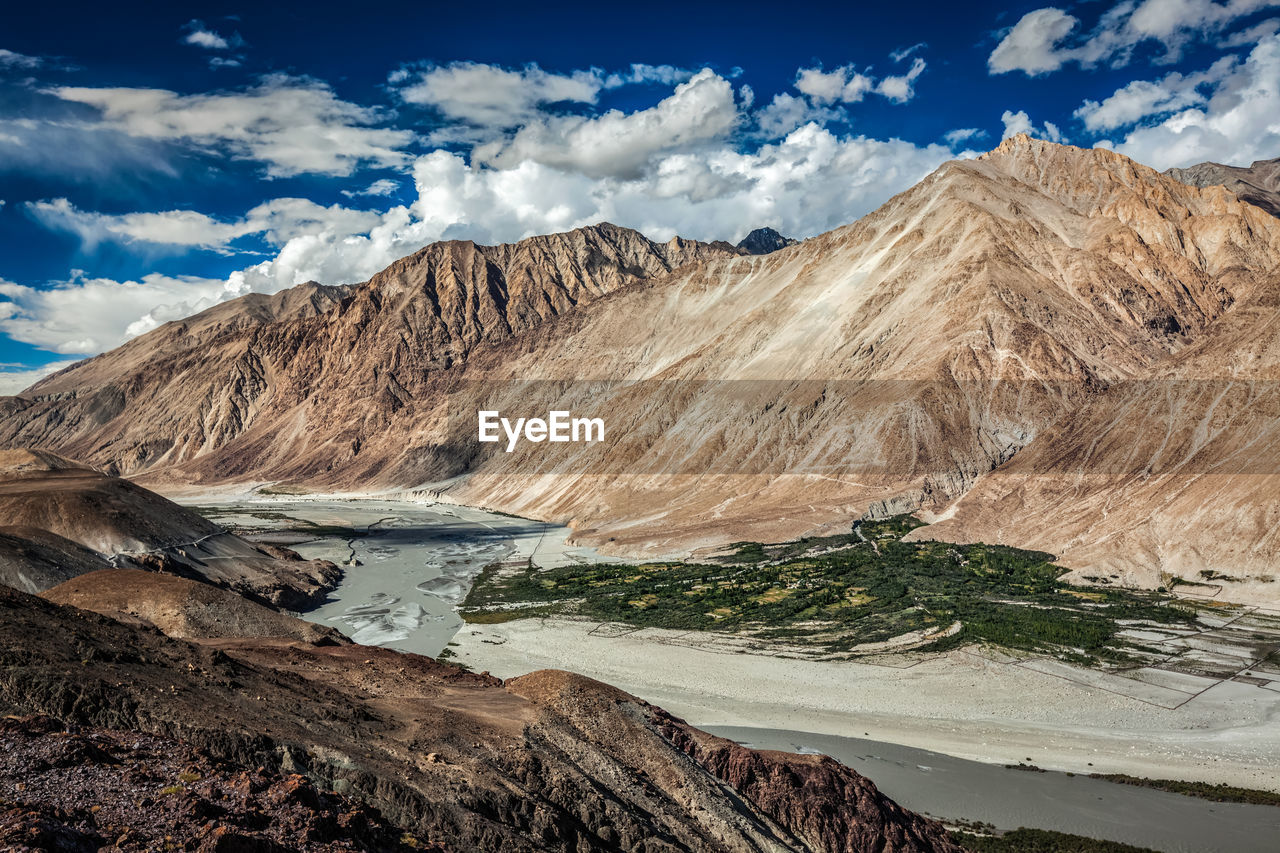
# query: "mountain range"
[[1045, 346]]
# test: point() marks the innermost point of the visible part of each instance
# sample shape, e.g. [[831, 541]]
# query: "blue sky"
[[159, 158]]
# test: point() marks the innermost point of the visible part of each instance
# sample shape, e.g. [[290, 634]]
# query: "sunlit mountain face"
[[156, 162]]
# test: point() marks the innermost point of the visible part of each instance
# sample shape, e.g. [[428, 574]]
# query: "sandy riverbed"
[[961, 704], [411, 565]]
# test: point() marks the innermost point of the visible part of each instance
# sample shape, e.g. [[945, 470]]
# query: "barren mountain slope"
[[1052, 269], [550, 761], [32, 559], [305, 377], [886, 365], [82, 518], [182, 608], [1178, 475], [1257, 184]]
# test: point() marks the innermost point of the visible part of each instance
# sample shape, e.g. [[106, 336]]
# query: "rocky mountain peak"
[[762, 241]]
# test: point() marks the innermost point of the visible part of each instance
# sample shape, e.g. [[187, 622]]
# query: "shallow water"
[[953, 788], [417, 561]]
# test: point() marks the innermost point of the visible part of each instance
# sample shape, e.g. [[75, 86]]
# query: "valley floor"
[[968, 703]]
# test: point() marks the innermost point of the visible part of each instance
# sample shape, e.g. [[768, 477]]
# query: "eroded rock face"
[[552, 761], [814, 796]]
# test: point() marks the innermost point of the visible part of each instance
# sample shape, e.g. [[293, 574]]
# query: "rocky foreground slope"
[[889, 365], [62, 519], [80, 790], [549, 761]]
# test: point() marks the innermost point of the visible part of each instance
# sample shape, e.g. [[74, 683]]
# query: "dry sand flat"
[[966, 703]]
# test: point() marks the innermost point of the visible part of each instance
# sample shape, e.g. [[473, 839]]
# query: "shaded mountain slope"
[[1258, 184], [553, 761], [33, 560]]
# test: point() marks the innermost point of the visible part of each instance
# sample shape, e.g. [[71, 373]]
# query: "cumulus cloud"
[[619, 144], [849, 86], [13, 380], [1237, 122], [1045, 39], [786, 112], [963, 134], [677, 167], [1020, 122], [85, 316], [278, 221], [492, 96], [293, 125], [1143, 98]]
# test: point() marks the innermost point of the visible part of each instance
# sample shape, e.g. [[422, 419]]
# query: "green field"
[[835, 595]]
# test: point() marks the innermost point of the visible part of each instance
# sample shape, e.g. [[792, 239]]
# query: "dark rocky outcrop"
[[762, 241]]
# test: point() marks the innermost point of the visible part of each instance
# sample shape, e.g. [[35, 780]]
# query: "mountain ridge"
[[915, 351]]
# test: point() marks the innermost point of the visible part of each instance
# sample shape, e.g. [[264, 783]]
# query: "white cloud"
[[621, 144], [13, 381], [848, 85], [1046, 39], [1020, 122], [1143, 98], [199, 35], [380, 187], [1238, 123], [843, 85], [492, 96], [279, 221], [786, 112], [10, 59], [293, 125], [641, 74], [84, 316], [901, 88], [903, 53], [963, 134]]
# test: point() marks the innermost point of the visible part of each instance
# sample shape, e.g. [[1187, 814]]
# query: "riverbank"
[[966, 703], [953, 789]]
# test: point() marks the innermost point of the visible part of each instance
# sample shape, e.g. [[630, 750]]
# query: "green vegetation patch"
[[843, 594], [1221, 793], [1040, 841]]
